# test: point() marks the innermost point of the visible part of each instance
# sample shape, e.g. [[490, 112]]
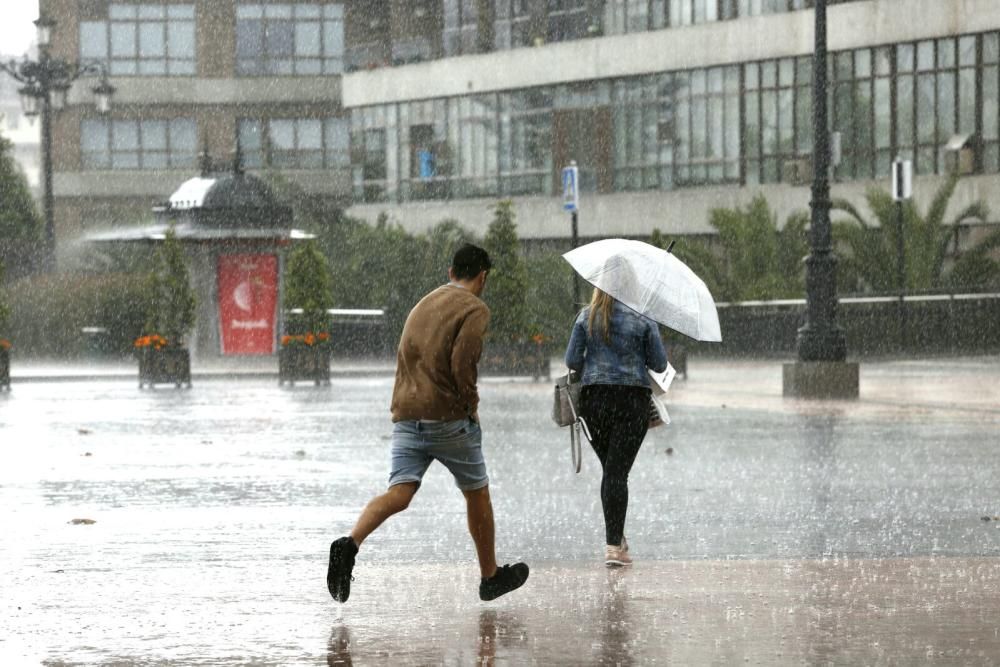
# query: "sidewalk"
[[765, 530], [967, 385], [220, 368]]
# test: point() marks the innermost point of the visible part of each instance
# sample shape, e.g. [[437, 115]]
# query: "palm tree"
[[870, 264], [753, 258]]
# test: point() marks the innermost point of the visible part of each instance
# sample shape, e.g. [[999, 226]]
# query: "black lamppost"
[[46, 83], [822, 370], [820, 339]]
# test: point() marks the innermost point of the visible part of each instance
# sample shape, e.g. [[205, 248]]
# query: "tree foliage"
[[550, 307], [508, 279], [20, 224], [308, 286], [48, 312], [753, 258], [171, 299], [870, 260], [4, 308]]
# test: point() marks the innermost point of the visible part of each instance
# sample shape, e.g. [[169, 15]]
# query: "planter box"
[[302, 363], [166, 366], [528, 358], [4, 370]]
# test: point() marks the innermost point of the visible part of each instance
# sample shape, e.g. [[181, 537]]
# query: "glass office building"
[[432, 109]]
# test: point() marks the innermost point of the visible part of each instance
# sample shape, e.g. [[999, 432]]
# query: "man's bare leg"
[[380, 508], [479, 511]]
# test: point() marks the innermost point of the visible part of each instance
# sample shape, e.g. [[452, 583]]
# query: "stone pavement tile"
[[835, 611], [944, 386]]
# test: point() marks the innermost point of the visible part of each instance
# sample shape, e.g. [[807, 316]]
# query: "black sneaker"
[[507, 579], [338, 574]]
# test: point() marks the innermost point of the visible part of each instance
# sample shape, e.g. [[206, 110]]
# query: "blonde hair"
[[601, 305]]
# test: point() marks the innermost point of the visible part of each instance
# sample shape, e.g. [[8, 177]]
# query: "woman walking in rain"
[[612, 346]]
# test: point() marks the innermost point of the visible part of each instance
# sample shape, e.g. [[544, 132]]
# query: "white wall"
[[679, 212], [850, 26]]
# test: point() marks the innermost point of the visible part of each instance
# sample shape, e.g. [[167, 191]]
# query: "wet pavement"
[[774, 531]]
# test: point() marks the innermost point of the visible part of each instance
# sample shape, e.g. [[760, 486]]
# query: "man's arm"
[[465, 355]]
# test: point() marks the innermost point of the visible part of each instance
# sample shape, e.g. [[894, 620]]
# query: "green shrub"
[[170, 305], [48, 313], [508, 280], [4, 308], [308, 287]]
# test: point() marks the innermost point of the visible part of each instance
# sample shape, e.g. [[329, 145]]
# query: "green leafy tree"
[[308, 286], [753, 258], [508, 281], [171, 300], [871, 258], [4, 308], [549, 296], [20, 224]]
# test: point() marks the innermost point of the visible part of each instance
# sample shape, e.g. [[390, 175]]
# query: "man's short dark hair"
[[469, 262]]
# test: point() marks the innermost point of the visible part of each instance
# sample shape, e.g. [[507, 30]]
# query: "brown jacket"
[[436, 364]]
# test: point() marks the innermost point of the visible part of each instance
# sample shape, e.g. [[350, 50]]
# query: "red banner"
[[248, 303]]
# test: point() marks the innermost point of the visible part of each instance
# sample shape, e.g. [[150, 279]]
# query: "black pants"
[[618, 417]]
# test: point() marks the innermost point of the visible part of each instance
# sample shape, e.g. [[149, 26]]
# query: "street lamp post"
[[45, 88], [902, 190], [821, 370], [820, 339]]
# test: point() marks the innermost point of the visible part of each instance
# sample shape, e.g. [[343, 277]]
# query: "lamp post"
[[821, 370], [902, 190], [820, 339], [45, 87]]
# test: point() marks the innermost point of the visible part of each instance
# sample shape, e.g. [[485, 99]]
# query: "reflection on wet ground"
[[771, 534]]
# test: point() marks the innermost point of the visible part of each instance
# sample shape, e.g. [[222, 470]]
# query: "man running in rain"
[[435, 413]]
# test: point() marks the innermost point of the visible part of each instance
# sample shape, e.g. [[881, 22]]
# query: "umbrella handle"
[[670, 248]]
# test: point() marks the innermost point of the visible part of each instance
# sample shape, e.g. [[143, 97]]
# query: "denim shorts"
[[456, 444]]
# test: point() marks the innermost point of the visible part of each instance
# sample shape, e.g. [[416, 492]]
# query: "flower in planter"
[[308, 339], [540, 338], [5, 344], [154, 341]]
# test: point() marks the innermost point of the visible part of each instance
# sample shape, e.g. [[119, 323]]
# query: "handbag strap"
[[575, 450]]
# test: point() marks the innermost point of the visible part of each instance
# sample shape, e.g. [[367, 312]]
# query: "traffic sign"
[[902, 179], [571, 188]]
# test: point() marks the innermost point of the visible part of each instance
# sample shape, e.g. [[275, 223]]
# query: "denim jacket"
[[634, 346]]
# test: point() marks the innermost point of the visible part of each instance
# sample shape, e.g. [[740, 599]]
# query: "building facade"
[[432, 109]]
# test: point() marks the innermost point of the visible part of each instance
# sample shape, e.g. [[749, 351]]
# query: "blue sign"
[[426, 164], [571, 189]]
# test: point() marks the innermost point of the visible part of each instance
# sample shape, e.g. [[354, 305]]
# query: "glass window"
[[526, 158], [854, 114], [285, 39], [293, 143], [138, 144], [93, 40], [705, 147], [779, 117], [145, 40], [95, 144]]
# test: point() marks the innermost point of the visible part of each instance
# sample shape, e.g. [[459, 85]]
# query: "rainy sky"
[[16, 30]]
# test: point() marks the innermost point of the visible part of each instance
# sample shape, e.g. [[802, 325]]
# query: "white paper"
[[661, 409], [661, 381]]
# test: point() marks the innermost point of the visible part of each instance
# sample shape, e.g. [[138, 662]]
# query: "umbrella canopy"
[[651, 281]]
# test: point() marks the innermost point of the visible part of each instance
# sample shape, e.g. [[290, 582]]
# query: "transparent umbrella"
[[651, 281]]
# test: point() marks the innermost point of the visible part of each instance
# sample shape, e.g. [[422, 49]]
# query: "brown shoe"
[[617, 556]]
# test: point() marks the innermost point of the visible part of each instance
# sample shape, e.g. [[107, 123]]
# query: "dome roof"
[[224, 191]]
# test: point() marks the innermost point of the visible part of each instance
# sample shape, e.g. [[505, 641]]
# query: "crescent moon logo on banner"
[[242, 297]]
